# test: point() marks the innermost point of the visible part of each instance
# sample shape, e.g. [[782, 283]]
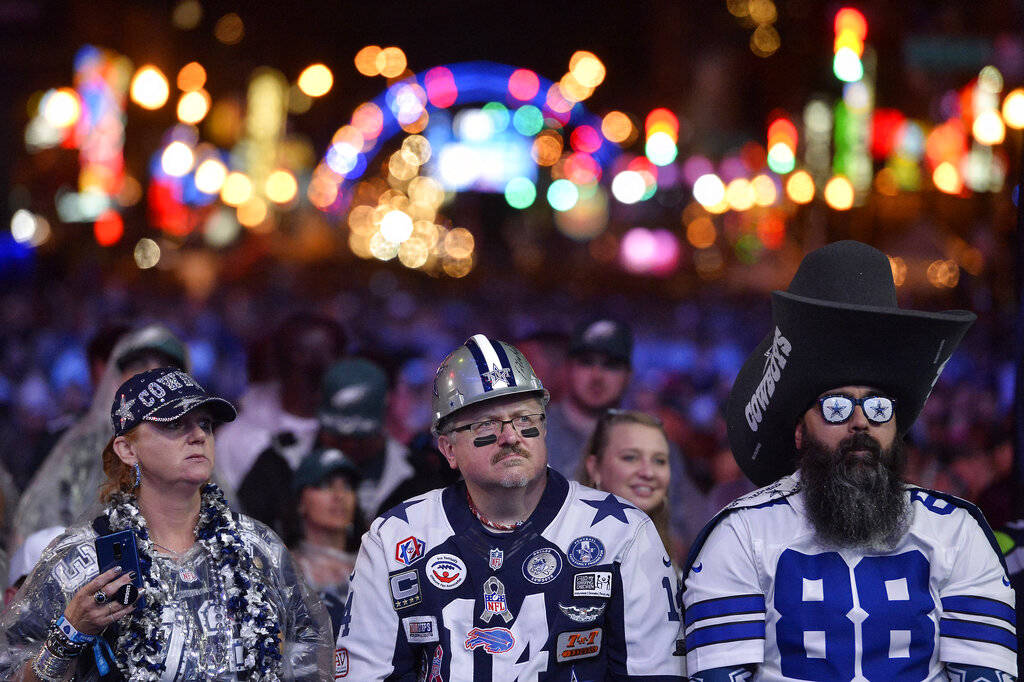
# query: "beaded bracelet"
[[63, 649]]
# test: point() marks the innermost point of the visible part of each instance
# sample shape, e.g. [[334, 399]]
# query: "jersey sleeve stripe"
[[726, 632], [980, 606], [978, 632], [725, 606]]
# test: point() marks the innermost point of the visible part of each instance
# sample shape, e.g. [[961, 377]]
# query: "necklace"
[[176, 554], [486, 521]]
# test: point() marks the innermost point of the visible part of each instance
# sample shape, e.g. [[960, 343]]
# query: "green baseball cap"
[[354, 398], [321, 463]]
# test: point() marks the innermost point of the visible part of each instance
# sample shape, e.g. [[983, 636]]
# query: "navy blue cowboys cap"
[[162, 395]]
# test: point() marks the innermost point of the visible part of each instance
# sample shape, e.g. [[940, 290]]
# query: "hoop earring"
[[138, 475]]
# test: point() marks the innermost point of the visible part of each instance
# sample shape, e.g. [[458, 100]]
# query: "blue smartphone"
[[118, 549]]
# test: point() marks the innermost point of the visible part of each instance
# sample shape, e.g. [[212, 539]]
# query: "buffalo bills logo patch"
[[493, 640], [409, 550]]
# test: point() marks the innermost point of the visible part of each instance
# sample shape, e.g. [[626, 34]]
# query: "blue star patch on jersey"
[[399, 511], [609, 506]]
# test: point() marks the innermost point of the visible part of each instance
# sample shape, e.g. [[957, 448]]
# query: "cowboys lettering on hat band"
[[160, 395]]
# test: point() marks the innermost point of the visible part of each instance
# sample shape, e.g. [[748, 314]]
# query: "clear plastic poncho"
[[200, 641]]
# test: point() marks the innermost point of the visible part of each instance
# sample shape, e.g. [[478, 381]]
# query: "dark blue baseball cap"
[[162, 395]]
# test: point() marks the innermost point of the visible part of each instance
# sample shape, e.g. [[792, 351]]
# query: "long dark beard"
[[855, 501]]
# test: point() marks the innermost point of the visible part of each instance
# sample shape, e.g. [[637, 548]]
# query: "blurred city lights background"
[[634, 154]]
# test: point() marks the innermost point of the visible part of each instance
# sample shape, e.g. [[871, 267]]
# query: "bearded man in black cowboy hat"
[[838, 569]]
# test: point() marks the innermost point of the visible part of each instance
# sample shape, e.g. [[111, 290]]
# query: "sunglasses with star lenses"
[[837, 408]]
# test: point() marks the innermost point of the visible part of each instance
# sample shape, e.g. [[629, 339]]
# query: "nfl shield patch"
[[496, 559]]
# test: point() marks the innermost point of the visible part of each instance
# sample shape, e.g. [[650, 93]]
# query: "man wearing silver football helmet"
[[549, 579]]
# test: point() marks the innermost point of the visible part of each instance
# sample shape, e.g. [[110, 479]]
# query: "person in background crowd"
[[547, 352], [283, 413], [25, 558], [599, 372], [513, 572], [838, 569], [67, 483], [219, 596], [628, 455], [330, 525]]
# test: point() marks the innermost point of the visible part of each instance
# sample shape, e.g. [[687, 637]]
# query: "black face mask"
[[855, 501]]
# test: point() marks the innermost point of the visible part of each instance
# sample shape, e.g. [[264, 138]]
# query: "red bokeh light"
[[523, 84], [108, 228], [585, 139], [849, 19]]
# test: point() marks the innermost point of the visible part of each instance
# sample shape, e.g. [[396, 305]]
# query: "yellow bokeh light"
[[237, 189], [739, 194], [887, 183], [360, 245], [149, 88], [765, 41], [413, 253], [457, 267], [899, 270], [400, 169], [61, 108], [547, 148], [839, 193], [177, 159], [701, 233], [426, 190], [459, 243], [427, 232], [573, 90], [1013, 109], [849, 39], [988, 128], [360, 220], [381, 248], [416, 149], [947, 178], [210, 176], [390, 62], [738, 8], [616, 127], [191, 77], [187, 14], [765, 191], [316, 80], [252, 212], [193, 106], [762, 11], [587, 69], [281, 186], [229, 30], [800, 187], [366, 60]]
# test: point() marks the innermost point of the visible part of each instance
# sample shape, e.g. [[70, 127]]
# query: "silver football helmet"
[[478, 370]]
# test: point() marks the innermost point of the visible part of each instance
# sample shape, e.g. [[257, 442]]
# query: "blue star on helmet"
[[457, 397], [497, 374], [125, 410], [609, 506], [399, 511]]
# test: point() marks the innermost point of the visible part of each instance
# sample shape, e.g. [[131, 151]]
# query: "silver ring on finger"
[[100, 597]]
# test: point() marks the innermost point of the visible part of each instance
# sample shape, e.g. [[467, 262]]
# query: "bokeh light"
[[739, 194], [947, 178], [61, 107], [441, 88], [237, 189], [520, 193], [316, 80], [661, 148], [146, 253], [846, 65], [229, 29], [192, 76], [108, 228], [459, 243], [366, 60], [988, 128], [391, 62], [396, 226], [281, 186], [781, 158], [177, 159], [839, 193], [528, 120], [587, 69], [617, 127], [210, 175], [149, 88], [523, 84], [1013, 109], [701, 233], [563, 195], [547, 148], [252, 212], [628, 187], [187, 14], [193, 106], [766, 192], [709, 190], [800, 187]]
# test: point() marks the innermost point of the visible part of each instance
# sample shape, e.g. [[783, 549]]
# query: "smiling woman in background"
[[628, 455]]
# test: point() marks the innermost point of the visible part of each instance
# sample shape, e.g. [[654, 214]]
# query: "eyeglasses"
[[526, 425], [837, 408]]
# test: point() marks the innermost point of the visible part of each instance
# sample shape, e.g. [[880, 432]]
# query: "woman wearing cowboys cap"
[[218, 597]]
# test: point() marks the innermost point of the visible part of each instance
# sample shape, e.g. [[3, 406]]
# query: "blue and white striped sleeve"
[[978, 622], [724, 602]]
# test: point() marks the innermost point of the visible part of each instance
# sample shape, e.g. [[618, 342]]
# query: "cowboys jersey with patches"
[[581, 591], [760, 589]]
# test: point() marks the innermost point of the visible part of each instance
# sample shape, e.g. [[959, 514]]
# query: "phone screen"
[[118, 549]]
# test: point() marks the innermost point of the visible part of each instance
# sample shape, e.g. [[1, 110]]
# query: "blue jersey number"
[[815, 637]]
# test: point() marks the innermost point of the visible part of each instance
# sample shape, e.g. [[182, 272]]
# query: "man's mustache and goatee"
[[855, 500]]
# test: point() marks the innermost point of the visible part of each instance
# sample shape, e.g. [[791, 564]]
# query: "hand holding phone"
[[118, 549]]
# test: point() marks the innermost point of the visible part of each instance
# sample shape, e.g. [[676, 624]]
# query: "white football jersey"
[[582, 591], [761, 589]]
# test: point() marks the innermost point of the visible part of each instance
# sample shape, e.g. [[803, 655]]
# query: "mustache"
[[860, 441], [514, 449]]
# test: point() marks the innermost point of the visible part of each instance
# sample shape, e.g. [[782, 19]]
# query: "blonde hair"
[[598, 443], [120, 476]]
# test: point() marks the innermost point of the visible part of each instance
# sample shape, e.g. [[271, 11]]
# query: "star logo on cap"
[[498, 374], [125, 410]]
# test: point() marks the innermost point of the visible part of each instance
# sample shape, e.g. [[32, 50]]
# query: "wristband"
[[64, 626], [50, 668]]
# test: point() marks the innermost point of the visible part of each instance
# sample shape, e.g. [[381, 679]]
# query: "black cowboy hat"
[[837, 325]]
